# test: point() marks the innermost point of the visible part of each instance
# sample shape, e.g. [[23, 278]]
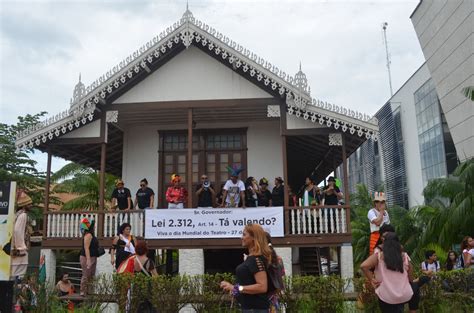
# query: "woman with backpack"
[[252, 282]]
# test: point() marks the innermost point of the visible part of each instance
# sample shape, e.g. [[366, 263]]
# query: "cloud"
[[46, 44]]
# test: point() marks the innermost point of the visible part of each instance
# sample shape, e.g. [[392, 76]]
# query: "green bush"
[[447, 292]]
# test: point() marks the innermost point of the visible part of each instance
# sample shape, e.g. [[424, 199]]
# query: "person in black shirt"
[[251, 192], [205, 193], [278, 192], [121, 196], [332, 193], [252, 282], [264, 196], [219, 199], [89, 253], [145, 197]]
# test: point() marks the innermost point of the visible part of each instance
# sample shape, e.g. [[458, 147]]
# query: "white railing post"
[[293, 222], [343, 220], [315, 220]]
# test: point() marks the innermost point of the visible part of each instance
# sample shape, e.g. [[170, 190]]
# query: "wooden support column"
[[346, 184], [103, 160], [103, 157], [189, 160], [46, 192], [283, 130]]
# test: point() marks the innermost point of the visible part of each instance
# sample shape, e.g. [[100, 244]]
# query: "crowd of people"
[[388, 268], [232, 194]]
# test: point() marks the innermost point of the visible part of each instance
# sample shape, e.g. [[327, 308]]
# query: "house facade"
[[192, 101]]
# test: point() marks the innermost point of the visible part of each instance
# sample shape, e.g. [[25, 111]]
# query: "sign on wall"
[[7, 214], [210, 223]]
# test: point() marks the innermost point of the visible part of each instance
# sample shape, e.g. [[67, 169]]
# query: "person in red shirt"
[[176, 194]]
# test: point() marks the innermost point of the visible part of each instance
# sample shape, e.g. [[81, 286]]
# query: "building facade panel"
[[447, 43]]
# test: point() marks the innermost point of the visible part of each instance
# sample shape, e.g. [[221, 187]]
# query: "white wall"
[[140, 157], [445, 32], [192, 75], [404, 98], [141, 144], [264, 155]]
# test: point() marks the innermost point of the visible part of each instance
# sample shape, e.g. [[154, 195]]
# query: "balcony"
[[303, 227]]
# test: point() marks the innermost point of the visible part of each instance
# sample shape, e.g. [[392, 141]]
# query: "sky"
[[44, 45]]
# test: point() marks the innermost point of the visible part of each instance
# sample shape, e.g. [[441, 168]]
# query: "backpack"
[[436, 266], [275, 275], [460, 262]]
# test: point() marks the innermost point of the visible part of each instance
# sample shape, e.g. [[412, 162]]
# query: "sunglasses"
[[142, 185], [203, 178]]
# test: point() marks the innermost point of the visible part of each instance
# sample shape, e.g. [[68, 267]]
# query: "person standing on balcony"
[[234, 189], [251, 192], [332, 194], [278, 192], [20, 242], [145, 197], [265, 196], [205, 193], [251, 276], [89, 253], [121, 196], [311, 193], [377, 217], [123, 245], [176, 194]]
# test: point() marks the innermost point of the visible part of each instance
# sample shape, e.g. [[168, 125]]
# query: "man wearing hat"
[[377, 216], [234, 189], [21, 236], [121, 196]]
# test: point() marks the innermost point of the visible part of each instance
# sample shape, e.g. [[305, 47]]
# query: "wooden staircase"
[[310, 261]]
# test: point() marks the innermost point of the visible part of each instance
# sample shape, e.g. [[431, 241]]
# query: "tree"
[[469, 92], [449, 211], [84, 182], [17, 165], [361, 203]]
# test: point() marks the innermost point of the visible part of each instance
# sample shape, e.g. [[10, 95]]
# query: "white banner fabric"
[[210, 222]]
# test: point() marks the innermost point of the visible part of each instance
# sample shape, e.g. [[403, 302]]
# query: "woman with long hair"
[[452, 261], [123, 245], [467, 250], [89, 253], [252, 284], [393, 274]]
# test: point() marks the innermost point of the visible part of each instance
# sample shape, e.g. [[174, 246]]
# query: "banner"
[[210, 223], [7, 216]]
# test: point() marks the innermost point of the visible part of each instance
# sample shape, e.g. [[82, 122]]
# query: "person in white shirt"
[[377, 216], [467, 252], [430, 266], [234, 189]]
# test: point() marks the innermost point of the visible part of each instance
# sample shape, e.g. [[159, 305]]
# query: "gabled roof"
[[181, 35]]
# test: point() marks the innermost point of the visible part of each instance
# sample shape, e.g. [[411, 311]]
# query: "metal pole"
[[384, 27]]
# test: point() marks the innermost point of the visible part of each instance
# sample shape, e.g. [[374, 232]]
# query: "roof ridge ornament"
[[187, 15], [79, 92], [301, 82]]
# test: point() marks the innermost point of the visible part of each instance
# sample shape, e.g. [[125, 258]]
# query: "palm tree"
[[449, 212], [469, 92], [360, 204], [84, 182]]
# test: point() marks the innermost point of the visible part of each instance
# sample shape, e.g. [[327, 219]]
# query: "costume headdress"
[[119, 182], [378, 196], [263, 181], [87, 224], [175, 178], [22, 199], [235, 170]]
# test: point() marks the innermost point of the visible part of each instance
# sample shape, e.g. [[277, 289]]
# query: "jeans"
[[254, 310]]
